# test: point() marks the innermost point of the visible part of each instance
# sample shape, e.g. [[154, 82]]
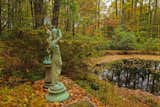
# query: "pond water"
[[135, 74]]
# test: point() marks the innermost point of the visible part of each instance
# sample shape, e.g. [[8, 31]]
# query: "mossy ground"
[[32, 95]]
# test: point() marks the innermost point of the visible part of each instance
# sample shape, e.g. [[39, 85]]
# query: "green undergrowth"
[[17, 96], [25, 49], [123, 39], [105, 92], [109, 94]]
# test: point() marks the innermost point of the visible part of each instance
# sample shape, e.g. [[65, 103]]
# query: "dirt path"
[[110, 58]]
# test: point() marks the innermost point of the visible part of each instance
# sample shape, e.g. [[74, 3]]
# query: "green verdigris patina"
[[56, 90]]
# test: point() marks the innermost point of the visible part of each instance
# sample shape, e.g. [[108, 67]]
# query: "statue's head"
[[47, 22]]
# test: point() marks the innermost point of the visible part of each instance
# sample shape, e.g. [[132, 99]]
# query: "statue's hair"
[[47, 21]]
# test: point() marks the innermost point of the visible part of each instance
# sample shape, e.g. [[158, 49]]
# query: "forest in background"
[[125, 24], [80, 16]]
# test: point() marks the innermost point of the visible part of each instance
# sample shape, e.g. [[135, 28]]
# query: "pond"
[[135, 74]]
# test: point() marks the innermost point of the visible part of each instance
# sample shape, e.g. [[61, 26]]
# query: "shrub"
[[148, 44], [73, 50], [24, 52], [123, 40]]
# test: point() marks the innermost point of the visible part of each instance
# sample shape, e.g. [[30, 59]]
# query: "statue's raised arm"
[[57, 36], [48, 29]]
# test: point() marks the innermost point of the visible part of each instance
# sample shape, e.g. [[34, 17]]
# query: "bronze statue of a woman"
[[56, 89]]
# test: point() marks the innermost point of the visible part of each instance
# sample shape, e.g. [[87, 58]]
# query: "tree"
[[38, 12], [154, 24], [0, 16], [122, 12], [98, 12], [32, 12], [74, 11], [116, 8], [56, 9], [9, 15], [68, 15]]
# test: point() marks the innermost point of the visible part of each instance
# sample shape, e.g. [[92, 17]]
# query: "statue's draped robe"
[[54, 37], [56, 64]]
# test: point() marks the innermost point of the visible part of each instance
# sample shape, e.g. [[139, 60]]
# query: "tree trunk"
[[56, 9], [38, 13], [135, 15], [149, 11], [0, 16], [67, 21], [73, 28], [32, 12], [154, 28], [116, 8], [122, 13], [132, 4], [141, 8], [9, 16], [150, 18], [98, 12]]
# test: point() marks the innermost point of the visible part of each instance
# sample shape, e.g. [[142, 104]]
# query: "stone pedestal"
[[47, 79], [57, 93]]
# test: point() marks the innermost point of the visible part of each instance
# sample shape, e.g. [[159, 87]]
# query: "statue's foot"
[[57, 93]]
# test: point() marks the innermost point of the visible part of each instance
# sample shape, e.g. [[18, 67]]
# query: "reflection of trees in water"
[[136, 74]]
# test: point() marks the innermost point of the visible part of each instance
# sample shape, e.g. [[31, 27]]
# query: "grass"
[[8, 96], [110, 95]]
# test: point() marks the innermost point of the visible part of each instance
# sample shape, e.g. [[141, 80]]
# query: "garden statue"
[[56, 90]]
